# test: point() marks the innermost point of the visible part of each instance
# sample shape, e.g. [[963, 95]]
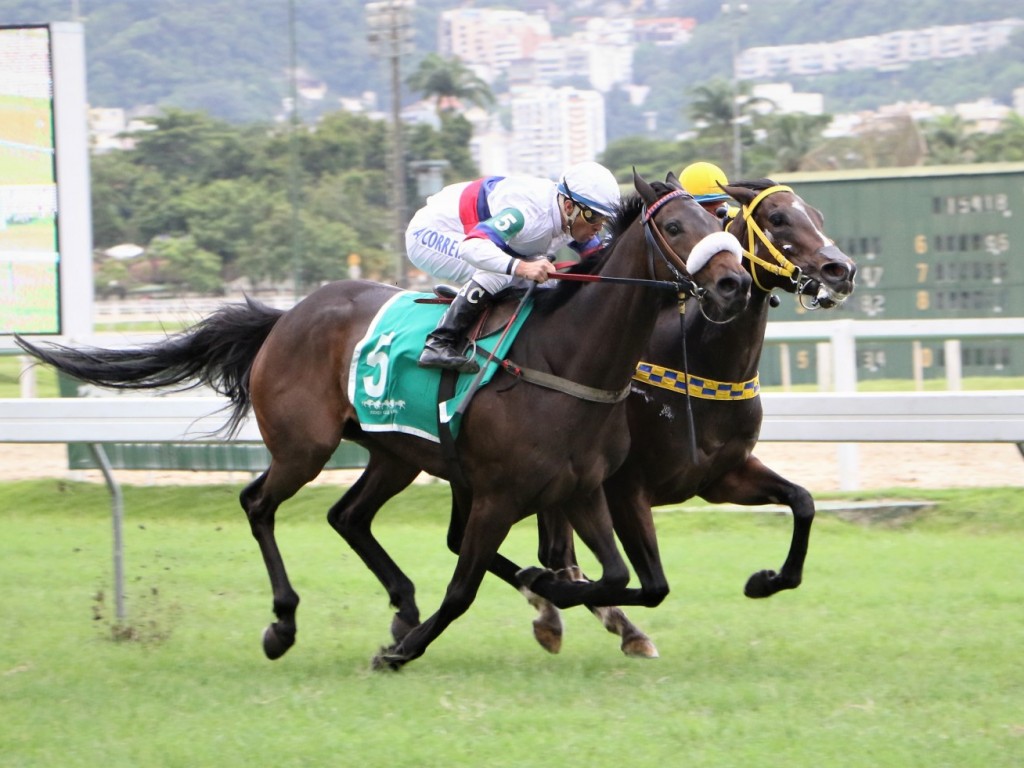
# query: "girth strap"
[[557, 383], [696, 386]]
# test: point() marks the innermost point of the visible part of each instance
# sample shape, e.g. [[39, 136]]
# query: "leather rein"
[[682, 283]]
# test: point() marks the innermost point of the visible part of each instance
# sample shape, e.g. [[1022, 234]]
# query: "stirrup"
[[447, 360]]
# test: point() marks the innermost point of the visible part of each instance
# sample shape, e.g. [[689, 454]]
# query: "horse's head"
[[687, 244], [786, 246]]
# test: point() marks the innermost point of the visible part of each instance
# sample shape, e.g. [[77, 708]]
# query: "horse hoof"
[[640, 648], [549, 638], [276, 643], [388, 659], [762, 584]]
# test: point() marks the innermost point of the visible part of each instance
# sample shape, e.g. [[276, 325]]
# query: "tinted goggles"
[[590, 215]]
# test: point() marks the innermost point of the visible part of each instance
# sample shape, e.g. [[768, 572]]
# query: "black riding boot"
[[445, 344]]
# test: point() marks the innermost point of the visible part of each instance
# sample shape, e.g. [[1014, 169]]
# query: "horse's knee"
[[339, 521], [654, 596]]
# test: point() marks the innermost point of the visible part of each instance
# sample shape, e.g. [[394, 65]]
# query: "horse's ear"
[[645, 190], [745, 195], [672, 180]]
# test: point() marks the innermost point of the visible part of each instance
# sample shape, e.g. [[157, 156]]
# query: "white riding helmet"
[[591, 185]]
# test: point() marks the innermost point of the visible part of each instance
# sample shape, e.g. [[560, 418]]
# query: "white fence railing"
[[852, 417], [858, 417]]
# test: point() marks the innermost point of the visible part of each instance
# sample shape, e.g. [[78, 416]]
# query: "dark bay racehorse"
[[521, 447], [787, 251]]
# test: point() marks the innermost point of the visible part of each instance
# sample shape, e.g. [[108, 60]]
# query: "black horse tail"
[[218, 351]]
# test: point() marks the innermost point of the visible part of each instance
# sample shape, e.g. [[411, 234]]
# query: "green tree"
[[1005, 145], [787, 139], [950, 141], [712, 111], [131, 202], [185, 265], [185, 145], [653, 158], [221, 216], [450, 83]]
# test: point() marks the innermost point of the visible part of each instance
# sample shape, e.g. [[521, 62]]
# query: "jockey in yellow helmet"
[[702, 180]]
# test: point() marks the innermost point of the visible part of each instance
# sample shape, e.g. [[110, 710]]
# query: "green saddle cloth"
[[391, 393]]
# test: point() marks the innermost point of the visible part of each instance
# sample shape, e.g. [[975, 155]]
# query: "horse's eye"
[[673, 228], [777, 219]]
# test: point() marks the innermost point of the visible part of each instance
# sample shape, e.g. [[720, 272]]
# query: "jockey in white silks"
[[497, 232]]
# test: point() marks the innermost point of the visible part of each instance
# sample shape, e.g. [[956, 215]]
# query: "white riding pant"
[[436, 250]]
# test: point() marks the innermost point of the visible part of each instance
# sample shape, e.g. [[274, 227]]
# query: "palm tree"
[[950, 141], [712, 107], [717, 104], [792, 136], [449, 82]]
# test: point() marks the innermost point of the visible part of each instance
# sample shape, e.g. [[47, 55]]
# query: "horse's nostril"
[[728, 286]]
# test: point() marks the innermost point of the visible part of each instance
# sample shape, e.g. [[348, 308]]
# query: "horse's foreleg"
[[547, 627], [383, 478], [634, 524], [485, 530], [753, 484], [591, 521], [556, 552]]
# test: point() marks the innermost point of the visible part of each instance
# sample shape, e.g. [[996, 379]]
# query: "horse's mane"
[[628, 210]]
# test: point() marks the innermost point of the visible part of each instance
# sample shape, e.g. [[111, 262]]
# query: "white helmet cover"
[[592, 185]]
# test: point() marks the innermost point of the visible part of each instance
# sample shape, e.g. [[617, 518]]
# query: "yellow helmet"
[[702, 179]]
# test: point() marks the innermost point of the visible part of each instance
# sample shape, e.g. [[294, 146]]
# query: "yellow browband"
[[782, 266], [696, 386]]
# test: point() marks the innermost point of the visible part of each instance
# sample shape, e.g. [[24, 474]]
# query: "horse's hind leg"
[[351, 517], [260, 500]]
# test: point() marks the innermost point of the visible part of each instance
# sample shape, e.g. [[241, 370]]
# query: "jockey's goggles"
[[589, 214]]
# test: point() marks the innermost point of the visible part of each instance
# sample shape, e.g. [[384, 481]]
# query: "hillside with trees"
[[230, 59], [221, 192]]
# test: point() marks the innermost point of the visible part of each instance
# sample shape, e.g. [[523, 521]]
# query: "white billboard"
[[45, 223]]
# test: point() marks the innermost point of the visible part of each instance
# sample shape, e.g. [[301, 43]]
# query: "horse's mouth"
[[824, 295]]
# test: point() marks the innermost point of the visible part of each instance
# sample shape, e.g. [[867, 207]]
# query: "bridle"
[[656, 242], [783, 267]]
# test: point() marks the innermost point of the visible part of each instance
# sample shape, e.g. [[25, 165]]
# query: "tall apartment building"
[[491, 40], [553, 128]]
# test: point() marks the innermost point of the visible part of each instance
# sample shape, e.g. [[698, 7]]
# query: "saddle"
[[494, 318]]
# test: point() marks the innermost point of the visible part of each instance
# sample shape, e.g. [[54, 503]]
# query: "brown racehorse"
[[788, 251], [521, 447]]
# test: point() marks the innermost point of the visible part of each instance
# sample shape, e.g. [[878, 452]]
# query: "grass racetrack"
[[902, 648]]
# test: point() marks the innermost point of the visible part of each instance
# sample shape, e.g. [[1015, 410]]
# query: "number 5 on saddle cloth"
[[391, 393]]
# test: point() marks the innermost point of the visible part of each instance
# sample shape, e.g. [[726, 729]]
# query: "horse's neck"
[[727, 352], [597, 336]]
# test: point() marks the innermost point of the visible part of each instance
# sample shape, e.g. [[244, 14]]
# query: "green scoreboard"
[[929, 242]]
